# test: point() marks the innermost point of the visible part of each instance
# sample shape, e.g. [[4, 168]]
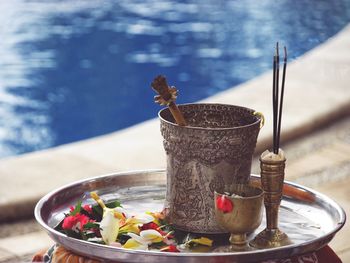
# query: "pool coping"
[[317, 93]]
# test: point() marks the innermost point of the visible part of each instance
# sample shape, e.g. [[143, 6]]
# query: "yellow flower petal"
[[139, 239], [140, 219], [118, 215], [133, 228], [133, 244], [96, 197], [201, 241], [155, 216], [151, 235], [121, 211], [131, 221]]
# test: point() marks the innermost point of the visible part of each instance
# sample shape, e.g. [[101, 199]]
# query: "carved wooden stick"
[[167, 96]]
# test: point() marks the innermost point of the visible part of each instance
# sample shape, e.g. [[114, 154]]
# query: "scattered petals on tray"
[[110, 224]]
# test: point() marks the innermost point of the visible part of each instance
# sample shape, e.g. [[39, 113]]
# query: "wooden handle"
[[167, 96], [179, 118], [160, 85]]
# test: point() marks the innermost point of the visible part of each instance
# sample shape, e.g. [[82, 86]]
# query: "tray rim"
[[327, 237]]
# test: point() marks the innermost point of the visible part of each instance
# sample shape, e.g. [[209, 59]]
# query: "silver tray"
[[309, 218]]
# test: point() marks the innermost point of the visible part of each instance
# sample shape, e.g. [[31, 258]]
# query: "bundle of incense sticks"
[[277, 97]]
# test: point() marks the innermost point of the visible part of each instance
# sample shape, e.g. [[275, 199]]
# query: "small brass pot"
[[239, 211]]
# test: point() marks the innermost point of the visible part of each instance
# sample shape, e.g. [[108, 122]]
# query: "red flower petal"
[[154, 226], [68, 222], [88, 208], [150, 225], [224, 204], [170, 236], [83, 219], [71, 221], [170, 248]]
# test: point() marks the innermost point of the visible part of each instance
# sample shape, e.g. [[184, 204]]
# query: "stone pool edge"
[[317, 93]]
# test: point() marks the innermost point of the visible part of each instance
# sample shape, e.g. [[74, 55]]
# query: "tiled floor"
[[320, 160], [5, 255]]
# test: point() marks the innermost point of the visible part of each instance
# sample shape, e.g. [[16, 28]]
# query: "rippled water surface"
[[70, 70]]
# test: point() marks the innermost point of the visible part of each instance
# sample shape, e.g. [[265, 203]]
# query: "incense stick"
[[282, 95], [277, 98], [274, 100]]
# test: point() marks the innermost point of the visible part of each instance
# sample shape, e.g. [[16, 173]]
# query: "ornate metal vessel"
[[214, 150]]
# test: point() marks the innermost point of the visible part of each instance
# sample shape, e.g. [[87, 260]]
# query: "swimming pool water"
[[71, 70]]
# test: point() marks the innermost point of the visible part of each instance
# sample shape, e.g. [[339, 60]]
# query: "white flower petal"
[[109, 226], [140, 219], [133, 244], [139, 239], [144, 218], [152, 235], [115, 244], [95, 239]]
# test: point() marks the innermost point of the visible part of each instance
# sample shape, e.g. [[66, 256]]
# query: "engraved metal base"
[[270, 238]]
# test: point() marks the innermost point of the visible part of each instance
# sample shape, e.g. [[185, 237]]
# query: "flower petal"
[[151, 225], [171, 248], [139, 239], [116, 244], [142, 219], [153, 235], [169, 241], [201, 241], [133, 228], [224, 204], [109, 226], [122, 211], [156, 217], [134, 244]]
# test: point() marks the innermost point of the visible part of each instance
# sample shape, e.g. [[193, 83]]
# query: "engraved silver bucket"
[[214, 150]]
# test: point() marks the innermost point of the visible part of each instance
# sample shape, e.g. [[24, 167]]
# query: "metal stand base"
[[270, 238]]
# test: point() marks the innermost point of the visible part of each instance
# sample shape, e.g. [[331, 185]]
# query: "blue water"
[[71, 70]]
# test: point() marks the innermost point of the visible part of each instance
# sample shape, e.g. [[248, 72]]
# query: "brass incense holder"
[[272, 177], [240, 212]]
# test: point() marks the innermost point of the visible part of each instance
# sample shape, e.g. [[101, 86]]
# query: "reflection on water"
[[71, 70]]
